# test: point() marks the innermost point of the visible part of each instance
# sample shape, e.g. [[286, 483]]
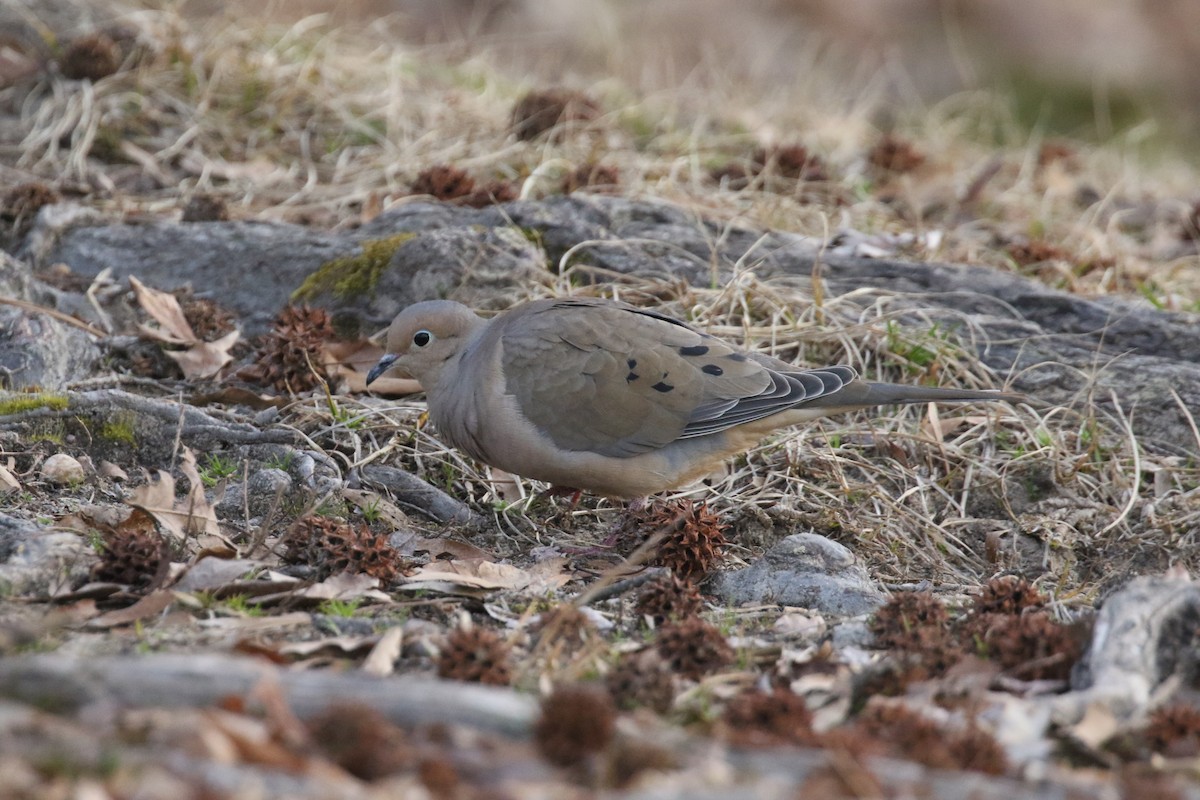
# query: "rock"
[[805, 570], [38, 561], [488, 268], [1144, 635], [62, 470], [250, 268], [1062, 348], [412, 492], [37, 350], [264, 489]]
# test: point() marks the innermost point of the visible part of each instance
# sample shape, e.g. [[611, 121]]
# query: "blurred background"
[[1087, 68]]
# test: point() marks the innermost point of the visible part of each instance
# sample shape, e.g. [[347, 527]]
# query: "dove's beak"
[[383, 366]]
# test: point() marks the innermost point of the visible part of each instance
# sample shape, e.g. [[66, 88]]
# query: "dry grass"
[[324, 125]]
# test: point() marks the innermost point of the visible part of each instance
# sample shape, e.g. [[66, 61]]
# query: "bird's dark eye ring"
[[422, 338]]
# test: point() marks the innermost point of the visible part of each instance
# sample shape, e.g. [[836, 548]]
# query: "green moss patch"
[[352, 276], [17, 403]]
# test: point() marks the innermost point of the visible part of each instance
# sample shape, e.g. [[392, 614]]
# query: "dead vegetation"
[[329, 128]]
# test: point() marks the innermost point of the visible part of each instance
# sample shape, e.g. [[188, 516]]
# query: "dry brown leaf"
[[381, 660], [186, 517], [214, 573], [388, 511], [439, 546], [205, 359], [479, 574], [337, 645], [255, 742], [201, 359], [164, 309], [151, 605], [8, 480], [344, 586], [351, 361], [1099, 724]]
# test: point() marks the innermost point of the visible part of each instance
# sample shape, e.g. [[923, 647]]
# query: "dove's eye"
[[422, 338]]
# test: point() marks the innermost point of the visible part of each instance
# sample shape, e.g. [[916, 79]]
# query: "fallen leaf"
[[111, 471], [338, 645], [151, 605], [205, 359], [8, 481], [164, 309], [388, 511], [186, 517], [344, 586], [1098, 725], [200, 359], [381, 660], [440, 546], [479, 574], [213, 573], [351, 361]]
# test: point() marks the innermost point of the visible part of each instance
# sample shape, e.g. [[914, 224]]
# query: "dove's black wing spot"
[[736, 357], [631, 377], [631, 363], [694, 350], [662, 387], [712, 369]]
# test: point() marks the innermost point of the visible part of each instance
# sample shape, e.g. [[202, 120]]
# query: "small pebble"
[[62, 470]]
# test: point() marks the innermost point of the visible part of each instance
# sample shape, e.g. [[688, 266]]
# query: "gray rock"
[[250, 268], [851, 633], [1062, 348], [482, 267], [38, 561], [37, 350], [805, 570], [1144, 634], [264, 489]]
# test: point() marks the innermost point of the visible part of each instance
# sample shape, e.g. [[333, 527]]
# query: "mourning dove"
[[605, 397]]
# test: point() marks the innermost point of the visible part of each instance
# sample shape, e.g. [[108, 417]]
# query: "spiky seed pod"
[[208, 320], [669, 598], [912, 622], [591, 176], [21, 203], [1035, 252], [443, 181], [131, 557], [330, 546], [694, 541], [793, 162], [694, 648], [642, 679], [93, 57], [913, 735], [1033, 645], [475, 655], [765, 718], [1174, 731], [576, 722], [291, 352], [205, 208], [361, 741], [1008, 594], [567, 626], [895, 155], [490, 194], [541, 111]]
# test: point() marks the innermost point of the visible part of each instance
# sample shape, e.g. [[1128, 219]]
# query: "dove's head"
[[423, 338]]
